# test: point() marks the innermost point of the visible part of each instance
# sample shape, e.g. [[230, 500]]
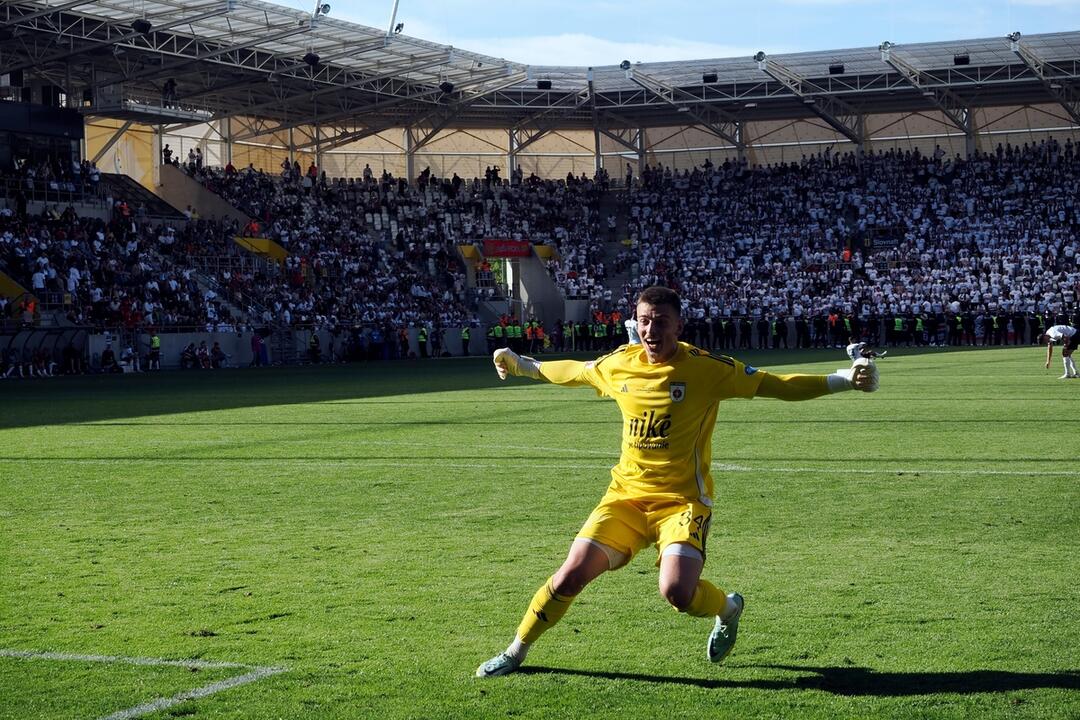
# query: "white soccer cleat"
[[1064, 377], [724, 632], [501, 664]]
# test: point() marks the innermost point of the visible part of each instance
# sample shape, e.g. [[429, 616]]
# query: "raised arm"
[[560, 372], [794, 387], [862, 376]]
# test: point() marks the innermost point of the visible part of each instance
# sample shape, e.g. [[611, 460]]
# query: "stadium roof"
[[250, 59]]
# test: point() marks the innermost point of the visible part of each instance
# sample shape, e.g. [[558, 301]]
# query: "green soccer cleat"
[[722, 637], [501, 664]]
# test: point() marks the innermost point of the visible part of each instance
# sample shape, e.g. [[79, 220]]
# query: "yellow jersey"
[[668, 410]]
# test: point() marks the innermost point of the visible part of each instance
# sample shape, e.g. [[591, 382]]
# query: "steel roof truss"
[[716, 121], [945, 100], [1064, 92], [444, 115], [838, 114], [113, 34]]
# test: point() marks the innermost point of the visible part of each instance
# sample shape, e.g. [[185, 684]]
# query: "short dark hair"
[[657, 295]]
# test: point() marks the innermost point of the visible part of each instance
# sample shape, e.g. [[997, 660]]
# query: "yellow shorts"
[[628, 526]]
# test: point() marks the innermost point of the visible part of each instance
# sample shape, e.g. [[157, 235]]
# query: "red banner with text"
[[507, 248]]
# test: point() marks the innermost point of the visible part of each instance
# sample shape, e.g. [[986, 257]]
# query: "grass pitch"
[[379, 529]]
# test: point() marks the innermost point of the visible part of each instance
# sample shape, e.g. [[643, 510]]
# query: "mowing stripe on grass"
[[311, 461], [119, 660], [257, 673]]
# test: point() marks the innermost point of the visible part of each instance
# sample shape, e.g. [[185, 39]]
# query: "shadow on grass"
[[64, 400], [856, 680]]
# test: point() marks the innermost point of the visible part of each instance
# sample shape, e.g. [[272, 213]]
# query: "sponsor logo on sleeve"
[[750, 370]]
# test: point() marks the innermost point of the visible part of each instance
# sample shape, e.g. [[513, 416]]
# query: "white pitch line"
[[200, 692], [257, 673]]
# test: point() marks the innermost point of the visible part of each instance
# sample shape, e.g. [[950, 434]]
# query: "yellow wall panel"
[[133, 154]]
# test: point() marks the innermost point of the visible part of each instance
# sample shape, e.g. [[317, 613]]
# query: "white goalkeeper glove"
[[844, 378], [508, 362]]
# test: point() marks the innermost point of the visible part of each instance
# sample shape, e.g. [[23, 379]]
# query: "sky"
[[583, 33]]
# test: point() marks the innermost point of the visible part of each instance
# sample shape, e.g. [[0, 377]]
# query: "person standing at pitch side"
[[661, 491]]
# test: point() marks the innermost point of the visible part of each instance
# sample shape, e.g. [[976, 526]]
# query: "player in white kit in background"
[[1069, 339]]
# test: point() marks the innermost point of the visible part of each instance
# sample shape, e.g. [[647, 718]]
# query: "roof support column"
[[740, 147], [511, 155], [595, 123], [292, 148], [155, 154], [971, 135], [410, 155], [640, 152], [598, 161], [225, 130], [318, 147]]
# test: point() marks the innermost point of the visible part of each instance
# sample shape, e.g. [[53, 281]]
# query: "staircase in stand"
[[614, 202], [123, 187]]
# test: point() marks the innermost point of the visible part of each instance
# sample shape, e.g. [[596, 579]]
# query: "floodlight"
[[1013, 37], [324, 8], [625, 65], [885, 46], [759, 56]]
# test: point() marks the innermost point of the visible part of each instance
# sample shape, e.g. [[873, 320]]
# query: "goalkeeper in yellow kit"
[[661, 491]]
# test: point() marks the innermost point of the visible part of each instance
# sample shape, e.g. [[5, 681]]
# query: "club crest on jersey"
[[678, 392]]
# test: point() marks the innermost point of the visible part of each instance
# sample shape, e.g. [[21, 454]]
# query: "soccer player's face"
[[659, 327]]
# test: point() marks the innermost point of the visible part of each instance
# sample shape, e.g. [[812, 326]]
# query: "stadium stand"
[[866, 234], [993, 235]]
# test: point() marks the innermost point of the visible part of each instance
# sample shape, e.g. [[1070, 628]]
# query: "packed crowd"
[[120, 274], [358, 252], [993, 234], [404, 235], [978, 251]]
